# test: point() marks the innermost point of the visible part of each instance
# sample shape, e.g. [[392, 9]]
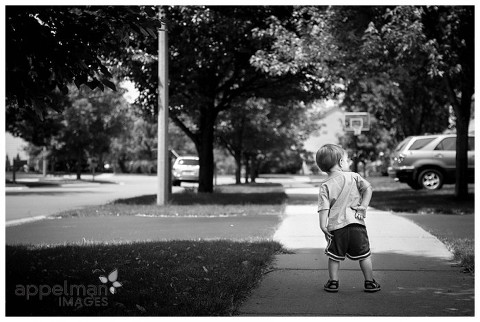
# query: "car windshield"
[[188, 162]]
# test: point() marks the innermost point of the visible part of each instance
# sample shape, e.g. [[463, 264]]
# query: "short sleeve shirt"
[[338, 193]]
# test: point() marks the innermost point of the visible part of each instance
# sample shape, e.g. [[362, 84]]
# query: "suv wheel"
[[431, 179]]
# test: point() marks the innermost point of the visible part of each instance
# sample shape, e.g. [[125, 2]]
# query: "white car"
[[185, 169]]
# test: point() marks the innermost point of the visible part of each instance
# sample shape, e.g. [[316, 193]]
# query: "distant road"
[[24, 204]]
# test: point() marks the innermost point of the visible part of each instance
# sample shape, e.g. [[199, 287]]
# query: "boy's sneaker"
[[372, 286], [331, 286]]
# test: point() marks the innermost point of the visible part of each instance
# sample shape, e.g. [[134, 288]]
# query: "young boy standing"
[[342, 203]]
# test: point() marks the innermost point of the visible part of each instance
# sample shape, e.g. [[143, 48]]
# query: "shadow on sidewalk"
[[411, 286]]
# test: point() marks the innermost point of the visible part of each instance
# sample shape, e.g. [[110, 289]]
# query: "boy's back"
[[338, 193], [342, 203]]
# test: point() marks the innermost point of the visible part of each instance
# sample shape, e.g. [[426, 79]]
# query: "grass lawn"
[[164, 278], [174, 278], [393, 196]]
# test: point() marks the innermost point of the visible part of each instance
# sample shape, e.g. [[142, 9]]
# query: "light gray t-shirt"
[[339, 192]]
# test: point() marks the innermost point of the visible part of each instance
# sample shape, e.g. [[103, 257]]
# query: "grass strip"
[[172, 278], [463, 250], [253, 193], [174, 210], [225, 201]]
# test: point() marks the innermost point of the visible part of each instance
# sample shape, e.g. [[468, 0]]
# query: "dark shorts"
[[350, 241]]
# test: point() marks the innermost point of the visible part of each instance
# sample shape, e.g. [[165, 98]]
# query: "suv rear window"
[[448, 144], [402, 144], [420, 143]]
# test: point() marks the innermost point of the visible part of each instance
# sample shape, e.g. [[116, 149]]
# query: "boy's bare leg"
[[333, 267], [367, 269]]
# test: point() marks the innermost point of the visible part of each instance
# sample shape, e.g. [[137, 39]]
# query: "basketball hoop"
[[357, 122], [357, 125]]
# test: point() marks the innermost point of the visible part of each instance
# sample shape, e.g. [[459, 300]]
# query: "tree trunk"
[[79, 168], [121, 164], [238, 167], [205, 151], [463, 120], [253, 169], [247, 167], [239, 151]]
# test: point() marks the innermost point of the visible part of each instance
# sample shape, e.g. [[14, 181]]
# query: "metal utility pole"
[[163, 167], [45, 161]]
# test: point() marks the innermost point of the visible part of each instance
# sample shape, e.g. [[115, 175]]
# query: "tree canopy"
[[89, 125], [50, 47], [431, 56], [406, 65]]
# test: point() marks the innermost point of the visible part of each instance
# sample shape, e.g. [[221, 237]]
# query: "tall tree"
[[89, 125], [211, 65], [405, 64], [431, 50], [263, 129], [450, 29], [230, 134]]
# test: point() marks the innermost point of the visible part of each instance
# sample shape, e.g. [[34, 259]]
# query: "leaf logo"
[[112, 277]]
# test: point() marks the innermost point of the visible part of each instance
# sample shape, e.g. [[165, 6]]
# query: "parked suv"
[[185, 169], [428, 161]]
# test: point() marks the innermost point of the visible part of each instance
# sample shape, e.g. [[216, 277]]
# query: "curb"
[[22, 221]]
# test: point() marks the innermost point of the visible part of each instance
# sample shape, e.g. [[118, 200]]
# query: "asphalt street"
[[23, 204]]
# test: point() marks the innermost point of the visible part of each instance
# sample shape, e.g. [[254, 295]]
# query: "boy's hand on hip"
[[328, 235], [360, 212]]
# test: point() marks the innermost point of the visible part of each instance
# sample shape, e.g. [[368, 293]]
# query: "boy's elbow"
[[368, 191]]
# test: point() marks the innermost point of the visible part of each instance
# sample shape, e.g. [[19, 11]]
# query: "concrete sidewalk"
[[415, 270]]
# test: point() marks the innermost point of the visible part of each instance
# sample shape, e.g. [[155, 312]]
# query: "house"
[[15, 146]]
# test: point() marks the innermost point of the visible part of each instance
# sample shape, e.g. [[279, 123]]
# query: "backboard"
[[357, 122]]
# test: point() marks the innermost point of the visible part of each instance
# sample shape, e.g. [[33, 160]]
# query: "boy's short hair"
[[328, 156]]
